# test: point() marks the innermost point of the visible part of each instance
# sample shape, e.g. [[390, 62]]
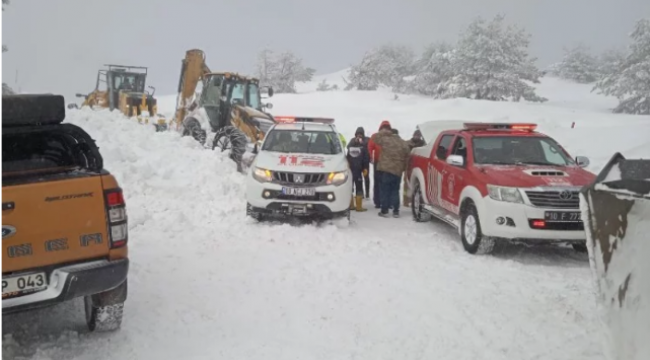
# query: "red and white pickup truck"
[[496, 181]]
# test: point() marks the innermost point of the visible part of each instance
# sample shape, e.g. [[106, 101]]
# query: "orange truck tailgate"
[[53, 222]]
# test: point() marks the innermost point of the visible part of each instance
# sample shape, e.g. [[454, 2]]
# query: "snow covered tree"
[[266, 66], [630, 82], [385, 65], [609, 61], [324, 86], [491, 62], [282, 71], [433, 70], [577, 65]]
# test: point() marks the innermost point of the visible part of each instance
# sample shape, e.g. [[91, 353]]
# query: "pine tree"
[[385, 65], [577, 65], [433, 70], [282, 71], [630, 82], [491, 62], [609, 61]]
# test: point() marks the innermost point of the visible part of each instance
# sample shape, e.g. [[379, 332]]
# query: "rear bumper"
[[72, 281]]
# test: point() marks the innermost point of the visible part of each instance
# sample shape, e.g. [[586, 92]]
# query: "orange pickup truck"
[[64, 221]]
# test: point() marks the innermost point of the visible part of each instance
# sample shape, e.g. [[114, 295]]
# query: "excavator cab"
[[616, 214], [123, 87]]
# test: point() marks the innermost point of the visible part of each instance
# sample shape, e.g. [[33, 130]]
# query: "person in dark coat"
[[366, 176], [415, 142], [359, 162]]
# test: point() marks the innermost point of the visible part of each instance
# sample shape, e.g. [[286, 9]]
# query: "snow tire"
[[474, 242], [418, 210]]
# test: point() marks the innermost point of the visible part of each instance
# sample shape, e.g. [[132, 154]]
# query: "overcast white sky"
[[58, 45]]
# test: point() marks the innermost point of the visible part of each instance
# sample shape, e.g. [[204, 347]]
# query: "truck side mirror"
[[456, 160], [270, 91], [441, 152], [582, 161]]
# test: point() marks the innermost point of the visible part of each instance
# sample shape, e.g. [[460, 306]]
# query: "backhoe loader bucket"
[[616, 214]]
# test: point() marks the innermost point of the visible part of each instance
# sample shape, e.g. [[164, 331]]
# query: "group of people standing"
[[389, 155]]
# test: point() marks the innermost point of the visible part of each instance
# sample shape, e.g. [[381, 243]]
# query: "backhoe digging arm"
[[193, 69]]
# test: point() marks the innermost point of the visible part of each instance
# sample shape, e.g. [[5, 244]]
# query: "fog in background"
[[58, 45]]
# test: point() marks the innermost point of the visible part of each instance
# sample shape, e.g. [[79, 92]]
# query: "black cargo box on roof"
[[32, 109]]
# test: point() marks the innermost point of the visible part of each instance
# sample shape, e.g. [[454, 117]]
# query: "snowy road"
[[206, 283]]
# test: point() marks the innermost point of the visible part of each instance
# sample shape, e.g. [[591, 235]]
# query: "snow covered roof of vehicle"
[[431, 129]]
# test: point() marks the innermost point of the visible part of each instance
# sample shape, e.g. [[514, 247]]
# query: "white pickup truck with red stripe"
[[498, 181]]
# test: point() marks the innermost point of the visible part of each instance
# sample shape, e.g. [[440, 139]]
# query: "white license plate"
[[299, 191], [16, 285], [564, 216]]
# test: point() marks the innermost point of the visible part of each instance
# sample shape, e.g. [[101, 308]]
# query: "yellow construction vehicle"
[[616, 214], [228, 104], [123, 87]]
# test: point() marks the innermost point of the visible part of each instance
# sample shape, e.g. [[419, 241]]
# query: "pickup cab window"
[[460, 148], [443, 146], [518, 150]]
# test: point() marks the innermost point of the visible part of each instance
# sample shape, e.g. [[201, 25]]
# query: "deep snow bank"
[[598, 133]]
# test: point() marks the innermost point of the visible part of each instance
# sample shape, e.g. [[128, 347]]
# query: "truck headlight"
[[507, 194], [262, 175], [337, 178]]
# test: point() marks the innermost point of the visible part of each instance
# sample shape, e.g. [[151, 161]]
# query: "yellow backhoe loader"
[[228, 105], [123, 88], [616, 214]]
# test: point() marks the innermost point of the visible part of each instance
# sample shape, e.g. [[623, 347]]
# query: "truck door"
[[434, 169], [455, 177]]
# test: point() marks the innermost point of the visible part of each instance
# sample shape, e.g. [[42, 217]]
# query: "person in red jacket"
[[374, 151]]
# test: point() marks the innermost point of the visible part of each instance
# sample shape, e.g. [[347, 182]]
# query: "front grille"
[[294, 178], [553, 199], [320, 196]]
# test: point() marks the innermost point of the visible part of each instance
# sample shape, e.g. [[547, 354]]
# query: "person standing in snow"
[[374, 150], [392, 163], [416, 141], [366, 176], [359, 162]]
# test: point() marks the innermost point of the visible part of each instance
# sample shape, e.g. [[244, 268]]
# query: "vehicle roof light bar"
[[294, 119], [500, 126]]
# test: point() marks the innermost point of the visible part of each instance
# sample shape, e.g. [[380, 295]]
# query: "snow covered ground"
[[206, 283]]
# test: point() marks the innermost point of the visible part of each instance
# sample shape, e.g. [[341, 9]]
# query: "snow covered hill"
[[206, 283]]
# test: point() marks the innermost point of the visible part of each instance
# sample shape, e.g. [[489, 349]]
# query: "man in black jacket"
[[366, 176], [359, 162]]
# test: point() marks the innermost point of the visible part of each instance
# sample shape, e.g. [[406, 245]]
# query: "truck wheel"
[[417, 205], [254, 214], [221, 140], [192, 127], [470, 232], [104, 310], [581, 248]]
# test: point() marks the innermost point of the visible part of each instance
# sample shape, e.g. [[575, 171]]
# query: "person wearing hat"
[[414, 142], [366, 175], [374, 150], [393, 159], [359, 162]]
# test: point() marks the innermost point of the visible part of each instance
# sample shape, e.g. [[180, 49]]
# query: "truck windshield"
[[518, 150], [303, 142]]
